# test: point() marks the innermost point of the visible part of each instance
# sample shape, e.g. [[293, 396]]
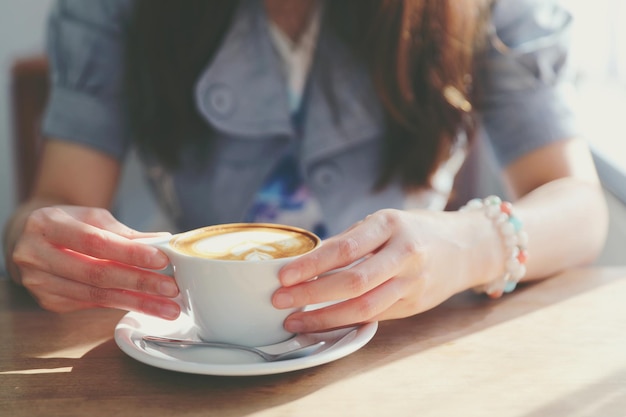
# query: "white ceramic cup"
[[229, 300]]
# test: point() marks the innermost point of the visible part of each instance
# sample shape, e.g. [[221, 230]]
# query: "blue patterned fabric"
[[285, 196]]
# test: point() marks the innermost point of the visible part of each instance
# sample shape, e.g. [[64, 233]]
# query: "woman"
[[347, 118]]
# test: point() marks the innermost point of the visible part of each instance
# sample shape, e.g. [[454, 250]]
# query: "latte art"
[[245, 242]]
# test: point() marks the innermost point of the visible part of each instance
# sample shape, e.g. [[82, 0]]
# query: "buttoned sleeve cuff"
[[529, 97], [529, 120], [92, 121]]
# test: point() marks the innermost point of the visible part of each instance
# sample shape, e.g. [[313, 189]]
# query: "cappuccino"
[[227, 275], [245, 242]]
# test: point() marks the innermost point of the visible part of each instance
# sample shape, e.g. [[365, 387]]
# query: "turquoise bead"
[[517, 223], [510, 286]]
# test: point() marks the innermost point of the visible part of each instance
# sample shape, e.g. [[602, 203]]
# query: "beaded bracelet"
[[513, 237]]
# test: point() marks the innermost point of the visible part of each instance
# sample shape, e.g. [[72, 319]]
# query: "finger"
[[100, 273], [58, 227], [338, 251], [351, 312], [102, 219], [85, 296], [40, 285], [62, 304], [347, 283]]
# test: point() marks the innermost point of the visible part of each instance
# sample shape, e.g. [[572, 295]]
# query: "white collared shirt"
[[296, 57]]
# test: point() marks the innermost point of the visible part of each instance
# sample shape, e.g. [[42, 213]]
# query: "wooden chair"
[[29, 92]]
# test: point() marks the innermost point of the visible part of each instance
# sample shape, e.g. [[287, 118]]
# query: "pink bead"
[[506, 207], [522, 257]]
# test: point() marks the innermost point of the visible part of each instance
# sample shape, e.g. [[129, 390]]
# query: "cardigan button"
[[220, 100], [325, 176]]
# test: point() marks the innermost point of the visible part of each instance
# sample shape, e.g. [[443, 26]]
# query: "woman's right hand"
[[72, 258]]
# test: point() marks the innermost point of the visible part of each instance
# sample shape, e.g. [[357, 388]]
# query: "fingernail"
[[160, 257], [295, 326], [155, 258], [283, 300], [168, 289], [291, 276], [170, 311]]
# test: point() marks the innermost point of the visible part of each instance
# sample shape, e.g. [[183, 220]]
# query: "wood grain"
[[554, 348]]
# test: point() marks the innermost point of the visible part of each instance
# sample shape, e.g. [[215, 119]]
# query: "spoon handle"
[[188, 342], [300, 351]]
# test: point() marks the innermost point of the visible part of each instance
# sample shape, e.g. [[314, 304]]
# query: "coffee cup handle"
[[162, 243], [159, 242]]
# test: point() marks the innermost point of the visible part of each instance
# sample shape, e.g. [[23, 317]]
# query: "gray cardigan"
[[242, 95]]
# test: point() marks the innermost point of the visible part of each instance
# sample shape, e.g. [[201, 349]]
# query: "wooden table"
[[555, 348]]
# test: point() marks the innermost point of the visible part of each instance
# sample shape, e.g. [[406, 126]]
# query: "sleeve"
[[85, 50], [528, 94]]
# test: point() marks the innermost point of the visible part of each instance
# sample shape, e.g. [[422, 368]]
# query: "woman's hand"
[[73, 258], [411, 262]]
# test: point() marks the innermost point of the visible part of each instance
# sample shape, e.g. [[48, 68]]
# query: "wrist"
[[9, 239], [513, 243], [483, 259], [13, 229]]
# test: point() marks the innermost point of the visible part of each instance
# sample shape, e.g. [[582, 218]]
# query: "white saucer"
[[211, 361]]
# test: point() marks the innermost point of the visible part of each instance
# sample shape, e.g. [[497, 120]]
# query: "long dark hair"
[[422, 55]]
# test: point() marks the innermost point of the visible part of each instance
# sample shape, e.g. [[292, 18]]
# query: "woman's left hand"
[[411, 262]]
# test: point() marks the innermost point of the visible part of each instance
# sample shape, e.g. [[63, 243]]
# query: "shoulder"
[[106, 15], [519, 21], [527, 77], [85, 48]]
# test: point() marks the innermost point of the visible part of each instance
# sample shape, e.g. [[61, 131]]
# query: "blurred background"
[[600, 50]]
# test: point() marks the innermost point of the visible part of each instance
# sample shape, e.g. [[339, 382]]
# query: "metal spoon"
[[292, 353]]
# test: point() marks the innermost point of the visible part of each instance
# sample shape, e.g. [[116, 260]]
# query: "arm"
[[533, 126], [562, 206], [68, 175], [416, 260], [66, 248], [64, 245]]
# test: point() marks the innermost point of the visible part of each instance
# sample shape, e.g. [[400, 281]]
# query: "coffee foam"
[[245, 243]]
